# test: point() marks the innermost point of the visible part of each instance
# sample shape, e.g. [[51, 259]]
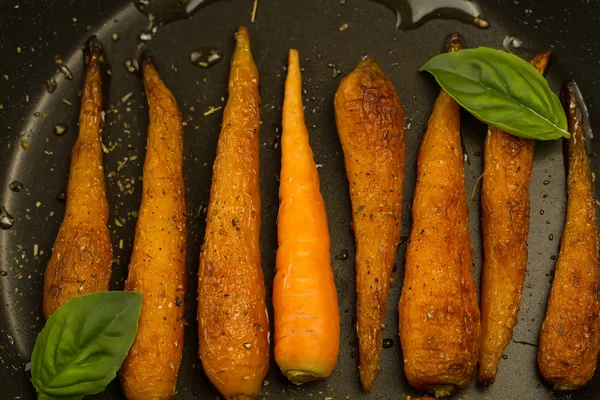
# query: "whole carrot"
[[307, 318], [81, 259], [570, 334], [439, 314], [233, 326], [157, 268], [370, 123], [508, 163]]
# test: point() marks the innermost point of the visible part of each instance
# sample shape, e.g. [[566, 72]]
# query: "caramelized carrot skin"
[[82, 254], [439, 314], [157, 268], [570, 334], [508, 163], [370, 123], [305, 304], [232, 317]]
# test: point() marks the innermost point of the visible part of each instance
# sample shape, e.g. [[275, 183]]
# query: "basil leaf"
[[501, 90], [84, 343]]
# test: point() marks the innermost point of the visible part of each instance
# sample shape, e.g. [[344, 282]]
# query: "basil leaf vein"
[[84, 343]]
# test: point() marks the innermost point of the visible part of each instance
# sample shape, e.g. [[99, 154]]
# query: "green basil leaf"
[[501, 90], [84, 343]]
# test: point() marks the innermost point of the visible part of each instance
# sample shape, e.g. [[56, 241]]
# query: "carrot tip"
[[565, 387], [442, 390], [92, 49], [486, 380], [453, 43], [298, 377], [147, 61]]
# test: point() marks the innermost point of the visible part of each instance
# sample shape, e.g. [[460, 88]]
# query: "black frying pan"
[[44, 30]]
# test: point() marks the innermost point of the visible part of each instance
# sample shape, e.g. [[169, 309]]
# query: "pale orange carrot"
[[307, 318]]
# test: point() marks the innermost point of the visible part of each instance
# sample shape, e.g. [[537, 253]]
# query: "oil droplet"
[[411, 14], [200, 211], [388, 343], [553, 257], [132, 65], [541, 212], [205, 57], [15, 186], [60, 129], [275, 142], [550, 237], [504, 357], [6, 220], [51, 85], [546, 182], [342, 256], [165, 11], [66, 72], [3, 272], [62, 196]]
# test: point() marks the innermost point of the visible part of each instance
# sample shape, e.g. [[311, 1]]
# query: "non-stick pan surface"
[[33, 34]]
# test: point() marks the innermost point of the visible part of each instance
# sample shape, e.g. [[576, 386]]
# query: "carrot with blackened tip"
[[570, 334], [82, 254]]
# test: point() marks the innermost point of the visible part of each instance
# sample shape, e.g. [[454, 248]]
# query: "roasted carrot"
[[307, 318], [233, 326], [508, 162], [157, 268], [439, 314], [370, 123], [82, 254], [570, 335]]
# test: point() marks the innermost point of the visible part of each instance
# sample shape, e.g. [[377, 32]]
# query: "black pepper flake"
[[62, 196], [177, 301]]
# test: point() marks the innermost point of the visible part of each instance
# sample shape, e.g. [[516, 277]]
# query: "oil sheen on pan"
[[38, 132]]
